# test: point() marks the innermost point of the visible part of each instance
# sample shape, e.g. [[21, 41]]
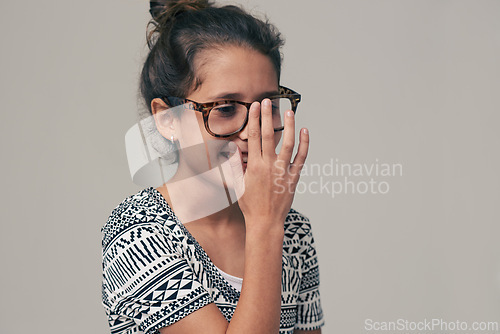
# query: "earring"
[[172, 138]]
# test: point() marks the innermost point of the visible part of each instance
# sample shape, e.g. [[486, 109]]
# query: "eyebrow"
[[237, 96]]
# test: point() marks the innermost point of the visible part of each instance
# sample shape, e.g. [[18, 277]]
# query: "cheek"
[[198, 146], [189, 131], [201, 127]]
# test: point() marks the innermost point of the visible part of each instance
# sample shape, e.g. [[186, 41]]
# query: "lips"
[[244, 160], [226, 153]]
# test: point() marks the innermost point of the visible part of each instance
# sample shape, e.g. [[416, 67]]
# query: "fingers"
[[288, 138], [254, 145], [265, 147], [300, 157], [268, 146]]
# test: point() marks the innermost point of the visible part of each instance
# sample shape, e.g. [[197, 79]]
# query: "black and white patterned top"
[[155, 272]]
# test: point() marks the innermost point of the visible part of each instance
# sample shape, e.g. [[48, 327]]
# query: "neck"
[[197, 199]]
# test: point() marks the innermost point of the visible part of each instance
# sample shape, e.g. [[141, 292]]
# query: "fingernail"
[[289, 113], [306, 132], [266, 102]]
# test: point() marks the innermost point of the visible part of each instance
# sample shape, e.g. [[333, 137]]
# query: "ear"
[[164, 118]]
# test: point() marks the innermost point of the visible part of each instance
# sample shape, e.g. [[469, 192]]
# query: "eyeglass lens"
[[229, 118]]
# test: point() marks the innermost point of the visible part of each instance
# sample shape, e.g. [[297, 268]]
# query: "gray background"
[[409, 82]]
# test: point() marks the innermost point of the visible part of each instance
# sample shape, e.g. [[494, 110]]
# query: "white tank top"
[[234, 281]]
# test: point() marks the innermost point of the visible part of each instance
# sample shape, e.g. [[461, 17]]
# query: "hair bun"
[[163, 9]]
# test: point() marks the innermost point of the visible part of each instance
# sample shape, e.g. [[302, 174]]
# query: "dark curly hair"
[[182, 29]]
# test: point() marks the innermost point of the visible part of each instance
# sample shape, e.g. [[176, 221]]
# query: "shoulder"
[[298, 239], [297, 226], [142, 210]]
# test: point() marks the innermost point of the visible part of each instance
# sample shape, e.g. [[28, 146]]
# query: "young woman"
[[176, 260]]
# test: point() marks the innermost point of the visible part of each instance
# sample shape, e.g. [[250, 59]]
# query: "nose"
[[243, 134]]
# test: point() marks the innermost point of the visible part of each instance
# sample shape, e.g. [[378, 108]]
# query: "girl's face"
[[226, 73]]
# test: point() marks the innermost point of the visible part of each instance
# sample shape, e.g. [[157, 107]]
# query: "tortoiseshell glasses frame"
[[206, 107]]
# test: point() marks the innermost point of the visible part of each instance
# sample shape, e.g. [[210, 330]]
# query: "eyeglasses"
[[228, 117]]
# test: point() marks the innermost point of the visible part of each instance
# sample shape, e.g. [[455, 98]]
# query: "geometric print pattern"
[[155, 272]]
